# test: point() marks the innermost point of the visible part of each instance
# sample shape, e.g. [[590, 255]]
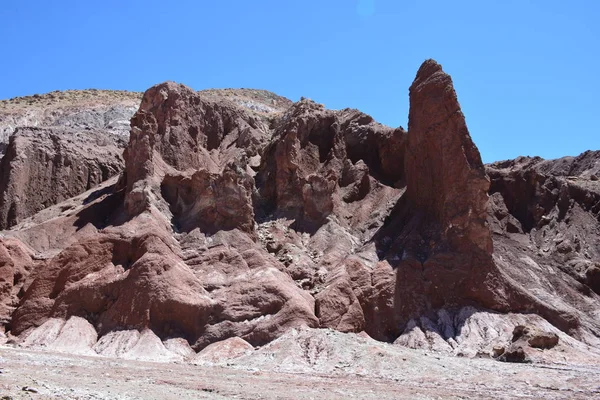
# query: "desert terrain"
[[231, 243]]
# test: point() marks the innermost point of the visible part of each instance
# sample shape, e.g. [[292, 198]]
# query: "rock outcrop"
[[45, 166], [524, 340], [544, 220], [321, 163], [83, 124], [225, 350], [446, 180], [233, 220], [58, 145], [97, 110], [139, 272], [438, 239], [435, 249], [177, 131], [15, 265]]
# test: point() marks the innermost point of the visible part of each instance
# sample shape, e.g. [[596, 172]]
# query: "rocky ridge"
[[106, 110], [64, 143], [226, 223]]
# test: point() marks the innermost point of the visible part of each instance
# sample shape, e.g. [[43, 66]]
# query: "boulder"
[[524, 340]]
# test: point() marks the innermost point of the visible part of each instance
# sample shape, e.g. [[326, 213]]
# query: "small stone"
[[497, 351], [514, 354]]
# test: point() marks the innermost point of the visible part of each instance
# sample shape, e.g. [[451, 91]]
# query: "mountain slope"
[[232, 221]]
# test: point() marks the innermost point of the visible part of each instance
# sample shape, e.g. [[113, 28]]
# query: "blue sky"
[[526, 71]]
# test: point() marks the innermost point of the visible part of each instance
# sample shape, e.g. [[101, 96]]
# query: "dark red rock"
[[181, 259], [210, 201], [556, 204], [177, 129], [227, 223], [15, 265], [320, 161], [446, 179], [435, 249], [45, 166]]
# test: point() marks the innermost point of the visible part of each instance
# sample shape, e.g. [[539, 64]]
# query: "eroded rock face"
[[446, 179], [225, 350], [320, 161], [227, 223], [141, 281], [435, 249], [45, 166], [471, 332], [59, 145], [176, 131], [524, 340], [210, 201], [544, 220], [15, 265], [108, 111], [204, 284]]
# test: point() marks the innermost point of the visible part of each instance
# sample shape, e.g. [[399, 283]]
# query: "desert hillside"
[[237, 225]]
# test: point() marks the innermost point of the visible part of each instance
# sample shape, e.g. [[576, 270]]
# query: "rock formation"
[[437, 238], [98, 110], [15, 265], [446, 179], [45, 166], [236, 218], [523, 339], [59, 145], [544, 220], [139, 272]]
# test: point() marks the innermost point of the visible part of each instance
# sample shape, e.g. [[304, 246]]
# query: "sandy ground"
[[37, 374]]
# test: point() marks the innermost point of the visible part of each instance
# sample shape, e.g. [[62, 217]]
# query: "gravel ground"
[[408, 374]]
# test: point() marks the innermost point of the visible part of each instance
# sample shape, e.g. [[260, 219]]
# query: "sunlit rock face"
[[243, 215]]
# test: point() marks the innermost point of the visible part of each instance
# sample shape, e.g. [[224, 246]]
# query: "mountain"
[[239, 214]]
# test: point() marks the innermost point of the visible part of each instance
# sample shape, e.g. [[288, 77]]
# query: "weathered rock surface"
[[15, 265], [232, 221], [322, 162], [136, 272], [446, 179], [436, 250], [58, 145], [470, 332], [105, 110], [75, 336], [437, 242], [45, 166], [544, 219], [223, 351], [70, 137], [523, 341]]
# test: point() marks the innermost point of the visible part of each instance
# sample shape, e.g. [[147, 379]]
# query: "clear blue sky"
[[526, 71]]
